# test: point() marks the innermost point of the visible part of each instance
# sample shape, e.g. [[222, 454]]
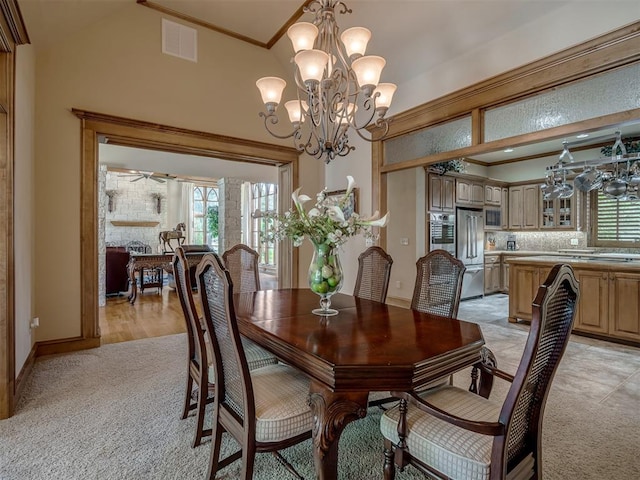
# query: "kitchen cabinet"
[[504, 286], [559, 213], [441, 193], [624, 305], [493, 195], [469, 192], [524, 207], [492, 271], [504, 208], [609, 304], [593, 308]]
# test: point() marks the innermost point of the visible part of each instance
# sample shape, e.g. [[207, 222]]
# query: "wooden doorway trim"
[[140, 134]]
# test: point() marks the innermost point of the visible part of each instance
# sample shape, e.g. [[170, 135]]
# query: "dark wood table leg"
[[331, 413]]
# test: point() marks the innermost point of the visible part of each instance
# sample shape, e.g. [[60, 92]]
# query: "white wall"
[[24, 201]]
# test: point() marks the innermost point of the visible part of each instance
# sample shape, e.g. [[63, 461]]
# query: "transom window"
[[617, 222], [205, 215], [264, 197]]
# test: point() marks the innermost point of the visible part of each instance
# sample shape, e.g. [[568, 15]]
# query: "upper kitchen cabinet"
[[493, 195], [524, 205], [469, 192], [441, 193], [559, 213]]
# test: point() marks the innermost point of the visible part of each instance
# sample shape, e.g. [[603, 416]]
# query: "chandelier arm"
[[272, 119]]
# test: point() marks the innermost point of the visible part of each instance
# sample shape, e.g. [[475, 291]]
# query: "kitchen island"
[[609, 305]]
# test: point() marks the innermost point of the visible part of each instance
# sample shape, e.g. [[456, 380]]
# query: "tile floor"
[[601, 372]]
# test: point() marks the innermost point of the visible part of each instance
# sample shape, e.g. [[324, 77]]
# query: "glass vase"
[[325, 276]]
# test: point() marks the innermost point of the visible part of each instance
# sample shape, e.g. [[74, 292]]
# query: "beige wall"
[[24, 202], [116, 67]]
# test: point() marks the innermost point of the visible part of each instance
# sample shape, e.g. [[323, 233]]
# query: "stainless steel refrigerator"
[[470, 249]]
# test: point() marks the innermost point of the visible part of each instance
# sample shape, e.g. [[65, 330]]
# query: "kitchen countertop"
[[593, 261]]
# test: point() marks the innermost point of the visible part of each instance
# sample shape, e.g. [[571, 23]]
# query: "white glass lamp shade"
[[355, 40], [271, 89], [386, 91], [302, 35], [311, 64], [296, 113], [368, 70]]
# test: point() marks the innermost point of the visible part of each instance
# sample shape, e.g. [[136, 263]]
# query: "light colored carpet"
[[113, 413]]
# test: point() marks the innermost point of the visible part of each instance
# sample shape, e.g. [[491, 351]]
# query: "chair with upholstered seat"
[[265, 409], [242, 263], [374, 270], [199, 354], [438, 284], [454, 434]]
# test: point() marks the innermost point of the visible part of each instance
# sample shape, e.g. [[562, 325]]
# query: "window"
[[264, 197], [617, 222], [205, 216]]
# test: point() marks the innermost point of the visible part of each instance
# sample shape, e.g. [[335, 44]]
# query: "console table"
[[140, 261]]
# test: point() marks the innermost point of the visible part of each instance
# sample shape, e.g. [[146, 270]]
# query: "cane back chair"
[[374, 270], [265, 409], [242, 263], [438, 284], [454, 434], [199, 355]]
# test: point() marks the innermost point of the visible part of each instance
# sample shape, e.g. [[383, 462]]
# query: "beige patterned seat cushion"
[[456, 452], [256, 356], [280, 394]]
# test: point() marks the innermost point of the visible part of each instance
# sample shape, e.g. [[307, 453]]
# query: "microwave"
[[492, 218]]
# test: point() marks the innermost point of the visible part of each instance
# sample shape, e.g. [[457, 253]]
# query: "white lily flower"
[[375, 220], [335, 213], [351, 184], [314, 212]]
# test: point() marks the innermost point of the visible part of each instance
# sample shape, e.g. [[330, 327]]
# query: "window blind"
[[618, 221]]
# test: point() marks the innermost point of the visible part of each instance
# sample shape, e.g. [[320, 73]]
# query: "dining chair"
[[454, 434], [374, 270], [242, 263], [265, 409], [438, 284], [199, 355]]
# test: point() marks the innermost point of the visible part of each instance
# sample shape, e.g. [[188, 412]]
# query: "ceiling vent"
[[179, 41]]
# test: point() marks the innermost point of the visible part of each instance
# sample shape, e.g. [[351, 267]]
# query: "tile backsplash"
[[548, 241]]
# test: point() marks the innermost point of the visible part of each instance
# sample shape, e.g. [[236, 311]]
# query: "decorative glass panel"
[[428, 141], [611, 92]]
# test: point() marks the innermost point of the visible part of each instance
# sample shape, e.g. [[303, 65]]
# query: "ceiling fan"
[[156, 177]]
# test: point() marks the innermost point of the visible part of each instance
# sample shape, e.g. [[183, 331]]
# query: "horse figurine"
[[168, 235]]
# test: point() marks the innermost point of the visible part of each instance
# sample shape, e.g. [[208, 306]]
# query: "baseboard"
[[25, 372], [398, 302], [66, 345]]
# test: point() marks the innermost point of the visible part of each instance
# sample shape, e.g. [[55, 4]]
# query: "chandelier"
[[617, 175], [337, 85]]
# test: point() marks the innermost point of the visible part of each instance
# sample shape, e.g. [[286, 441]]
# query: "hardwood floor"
[[152, 315]]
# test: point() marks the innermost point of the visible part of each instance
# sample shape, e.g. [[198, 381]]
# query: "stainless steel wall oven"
[[442, 232]]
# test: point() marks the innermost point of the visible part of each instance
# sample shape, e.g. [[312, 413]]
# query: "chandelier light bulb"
[[386, 91], [311, 64], [271, 89], [355, 40], [302, 35], [368, 70], [296, 113]]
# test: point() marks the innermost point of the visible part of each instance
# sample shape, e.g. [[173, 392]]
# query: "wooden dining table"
[[368, 346]]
